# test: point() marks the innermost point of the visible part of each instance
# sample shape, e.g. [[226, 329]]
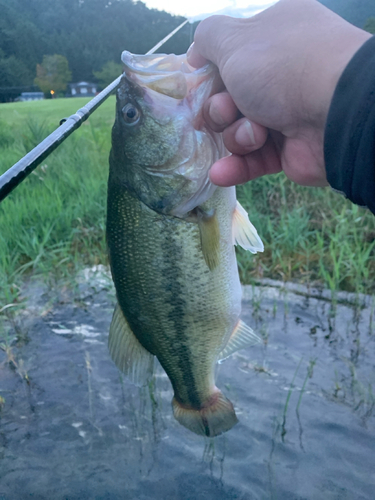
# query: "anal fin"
[[126, 351], [242, 336], [244, 233]]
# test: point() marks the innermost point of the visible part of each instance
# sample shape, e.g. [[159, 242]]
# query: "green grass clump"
[[54, 222], [310, 235]]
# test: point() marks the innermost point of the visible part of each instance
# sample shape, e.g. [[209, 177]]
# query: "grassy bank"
[[53, 224], [313, 236]]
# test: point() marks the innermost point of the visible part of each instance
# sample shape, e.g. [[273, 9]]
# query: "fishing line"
[[20, 170]]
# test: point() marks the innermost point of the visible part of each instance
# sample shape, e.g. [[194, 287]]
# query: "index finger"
[[210, 40], [194, 57]]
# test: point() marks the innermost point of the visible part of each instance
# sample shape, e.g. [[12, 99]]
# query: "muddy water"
[[73, 428]]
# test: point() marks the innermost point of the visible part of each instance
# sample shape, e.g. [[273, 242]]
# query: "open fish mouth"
[[170, 75]]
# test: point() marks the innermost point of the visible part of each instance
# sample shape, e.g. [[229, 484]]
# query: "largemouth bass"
[[171, 236]]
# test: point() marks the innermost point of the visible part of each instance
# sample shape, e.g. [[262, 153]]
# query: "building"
[[30, 96], [82, 89]]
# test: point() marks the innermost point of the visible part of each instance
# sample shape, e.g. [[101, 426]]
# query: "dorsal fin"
[[126, 351], [242, 336], [244, 233]]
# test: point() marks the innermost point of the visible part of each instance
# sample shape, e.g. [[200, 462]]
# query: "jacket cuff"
[[349, 141]]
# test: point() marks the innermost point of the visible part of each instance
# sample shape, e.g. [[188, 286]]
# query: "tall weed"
[[54, 222], [311, 235]]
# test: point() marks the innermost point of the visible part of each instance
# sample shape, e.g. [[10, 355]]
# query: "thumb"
[[211, 41]]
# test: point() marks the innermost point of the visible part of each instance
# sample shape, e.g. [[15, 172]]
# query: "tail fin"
[[216, 417]]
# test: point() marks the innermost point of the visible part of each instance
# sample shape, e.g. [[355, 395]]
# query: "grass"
[[313, 236], [50, 111], [54, 223]]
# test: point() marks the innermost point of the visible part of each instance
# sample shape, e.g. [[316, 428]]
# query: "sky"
[[199, 9]]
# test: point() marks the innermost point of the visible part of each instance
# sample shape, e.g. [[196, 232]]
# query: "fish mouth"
[[169, 75]]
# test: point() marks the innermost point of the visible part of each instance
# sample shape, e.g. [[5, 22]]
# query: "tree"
[[13, 72], [370, 25], [89, 33], [53, 74], [109, 72]]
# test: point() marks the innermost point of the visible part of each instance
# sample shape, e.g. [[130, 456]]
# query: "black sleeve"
[[349, 142]]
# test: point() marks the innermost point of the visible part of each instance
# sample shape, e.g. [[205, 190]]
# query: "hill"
[[89, 33]]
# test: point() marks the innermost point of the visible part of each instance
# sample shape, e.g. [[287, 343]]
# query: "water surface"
[[73, 428]]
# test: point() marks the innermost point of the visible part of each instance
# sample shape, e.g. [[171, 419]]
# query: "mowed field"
[[54, 223]]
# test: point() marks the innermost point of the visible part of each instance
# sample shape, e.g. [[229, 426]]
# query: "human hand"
[[280, 69]]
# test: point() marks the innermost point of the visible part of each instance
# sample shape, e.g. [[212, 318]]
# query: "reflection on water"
[[72, 427]]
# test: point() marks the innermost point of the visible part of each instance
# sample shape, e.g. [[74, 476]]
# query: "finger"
[[238, 169], [219, 111], [210, 36], [194, 58], [244, 136]]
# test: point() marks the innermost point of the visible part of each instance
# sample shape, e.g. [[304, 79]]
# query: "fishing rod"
[[20, 170]]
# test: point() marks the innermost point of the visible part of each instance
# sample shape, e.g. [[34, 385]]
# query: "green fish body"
[[172, 252]]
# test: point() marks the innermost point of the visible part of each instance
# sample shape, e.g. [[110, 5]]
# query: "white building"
[[82, 89], [31, 96]]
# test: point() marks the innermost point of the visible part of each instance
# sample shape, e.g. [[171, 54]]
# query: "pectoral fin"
[[210, 238], [242, 336], [244, 233], [127, 353]]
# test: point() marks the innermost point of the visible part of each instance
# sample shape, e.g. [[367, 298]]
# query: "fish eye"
[[130, 114]]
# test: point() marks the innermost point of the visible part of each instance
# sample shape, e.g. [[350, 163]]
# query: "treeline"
[[356, 12], [89, 33]]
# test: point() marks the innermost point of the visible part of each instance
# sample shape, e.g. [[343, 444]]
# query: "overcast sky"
[[199, 9]]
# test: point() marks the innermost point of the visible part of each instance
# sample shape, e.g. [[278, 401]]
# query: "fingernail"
[[189, 50], [244, 135], [190, 55], [194, 58]]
